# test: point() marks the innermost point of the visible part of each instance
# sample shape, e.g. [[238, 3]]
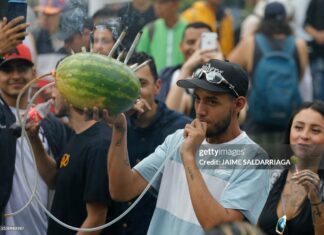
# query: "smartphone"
[[208, 40], [15, 9]]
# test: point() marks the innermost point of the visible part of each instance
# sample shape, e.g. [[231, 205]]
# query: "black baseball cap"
[[275, 11], [233, 73]]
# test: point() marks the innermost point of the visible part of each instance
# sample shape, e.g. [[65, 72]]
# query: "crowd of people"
[[253, 100]]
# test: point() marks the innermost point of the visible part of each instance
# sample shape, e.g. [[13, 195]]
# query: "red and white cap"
[[20, 52]]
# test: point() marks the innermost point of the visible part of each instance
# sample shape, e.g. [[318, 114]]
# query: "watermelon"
[[88, 79]]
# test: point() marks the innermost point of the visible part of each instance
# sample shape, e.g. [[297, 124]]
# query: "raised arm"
[[46, 165], [124, 183], [175, 96]]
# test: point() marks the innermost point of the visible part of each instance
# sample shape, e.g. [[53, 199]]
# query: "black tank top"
[[302, 224]]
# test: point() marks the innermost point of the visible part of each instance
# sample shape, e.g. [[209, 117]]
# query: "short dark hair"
[[197, 25], [140, 57], [104, 12]]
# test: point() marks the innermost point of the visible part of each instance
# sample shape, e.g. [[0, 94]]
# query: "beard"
[[62, 111], [220, 128]]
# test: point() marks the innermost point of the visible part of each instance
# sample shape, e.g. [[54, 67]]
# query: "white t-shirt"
[[32, 220], [242, 189]]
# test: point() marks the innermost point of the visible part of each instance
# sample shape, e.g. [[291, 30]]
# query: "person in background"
[[188, 46], [16, 70], [161, 38], [217, 17], [46, 36], [273, 35], [75, 29], [135, 15], [175, 97], [104, 37], [295, 203], [314, 25]]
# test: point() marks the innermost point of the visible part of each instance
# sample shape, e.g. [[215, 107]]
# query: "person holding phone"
[[194, 55]]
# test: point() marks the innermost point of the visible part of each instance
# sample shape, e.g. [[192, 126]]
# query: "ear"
[[157, 86], [34, 71], [240, 103]]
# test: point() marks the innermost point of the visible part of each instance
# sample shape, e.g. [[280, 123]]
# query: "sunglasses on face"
[[281, 224], [213, 77]]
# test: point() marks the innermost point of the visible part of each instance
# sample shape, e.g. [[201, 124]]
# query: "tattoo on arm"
[[119, 142], [126, 161], [120, 130], [317, 214], [190, 173]]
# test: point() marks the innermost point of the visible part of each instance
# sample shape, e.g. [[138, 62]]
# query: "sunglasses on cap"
[[281, 224], [213, 76]]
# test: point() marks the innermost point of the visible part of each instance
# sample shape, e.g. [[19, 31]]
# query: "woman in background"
[[295, 203]]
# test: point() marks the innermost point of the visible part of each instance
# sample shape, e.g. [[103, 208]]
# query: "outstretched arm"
[[124, 183]]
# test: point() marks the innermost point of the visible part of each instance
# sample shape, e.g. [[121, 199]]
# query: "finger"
[[204, 126], [305, 180], [139, 106], [4, 22], [95, 113], [194, 123], [146, 104], [303, 173], [14, 21], [86, 114], [185, 133], [310, 188], [15, 31], [105, 115], [207, 51], [192, 131]]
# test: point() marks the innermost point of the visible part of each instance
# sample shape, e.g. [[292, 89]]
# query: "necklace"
[[282, 221]]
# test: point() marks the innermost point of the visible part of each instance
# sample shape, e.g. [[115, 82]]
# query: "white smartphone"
[[208, 40]]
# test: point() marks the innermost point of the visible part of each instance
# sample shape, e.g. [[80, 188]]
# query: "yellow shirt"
[[200, 11]]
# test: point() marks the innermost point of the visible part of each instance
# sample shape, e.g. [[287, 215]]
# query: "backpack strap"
[[289, 45], [263, 43], [265, 47]]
